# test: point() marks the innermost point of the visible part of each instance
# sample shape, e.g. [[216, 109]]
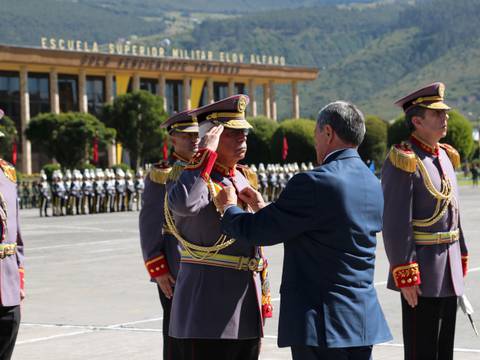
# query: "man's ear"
[[329, 133], [416, 120]]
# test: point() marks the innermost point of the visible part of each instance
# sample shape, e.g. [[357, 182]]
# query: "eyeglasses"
[[236, 132]]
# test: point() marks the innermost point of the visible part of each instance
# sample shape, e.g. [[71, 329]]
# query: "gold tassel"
[[452, 154], [403, 159], [159, 176], [176, 172]]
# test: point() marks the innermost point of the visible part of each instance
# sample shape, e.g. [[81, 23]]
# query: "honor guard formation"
[[112, 190]]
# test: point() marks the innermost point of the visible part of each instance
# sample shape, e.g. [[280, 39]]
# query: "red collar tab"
[[425, 147], [224, 170]]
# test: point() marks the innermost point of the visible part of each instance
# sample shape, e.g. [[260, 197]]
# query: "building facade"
[[36, 80]]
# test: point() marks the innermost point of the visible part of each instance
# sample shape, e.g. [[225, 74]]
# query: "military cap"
[[181, 122], [429, 97], [229, 112]]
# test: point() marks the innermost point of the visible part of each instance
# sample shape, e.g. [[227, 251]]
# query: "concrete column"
[[112, 154], [82, 91], [210, 98], [109, 95], [251, 94], [187, 101], [295, 101], [273, 102], [136, 82], [25, 119], [54, 98], [161, 90], [266, 100], [231, 87]]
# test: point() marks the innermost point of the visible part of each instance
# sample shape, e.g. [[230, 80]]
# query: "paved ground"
[[89, 298]]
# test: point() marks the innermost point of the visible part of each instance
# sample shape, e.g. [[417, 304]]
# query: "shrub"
[[300, 138], [260, 139]]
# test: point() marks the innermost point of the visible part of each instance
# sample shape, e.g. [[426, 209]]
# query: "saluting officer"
[[421, 230], [160, 249], [218, 307], [11, 261]]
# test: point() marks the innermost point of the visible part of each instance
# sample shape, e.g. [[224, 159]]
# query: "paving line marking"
[[101, 242], [52, 337]]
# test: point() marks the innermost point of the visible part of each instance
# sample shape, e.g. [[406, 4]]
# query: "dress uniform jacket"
[[211, 302], [160, 250], [11, 266], [327, 219], [436, 268]]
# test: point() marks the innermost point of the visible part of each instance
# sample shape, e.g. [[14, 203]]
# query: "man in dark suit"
[[327, 219]]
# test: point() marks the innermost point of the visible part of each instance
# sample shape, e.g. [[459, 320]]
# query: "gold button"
[[162, 266], [403, 281], [409, 280], [415, 278], [157, 268]]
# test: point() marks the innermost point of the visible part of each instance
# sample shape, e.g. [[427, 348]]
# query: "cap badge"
[[242, 104], [441, 90]]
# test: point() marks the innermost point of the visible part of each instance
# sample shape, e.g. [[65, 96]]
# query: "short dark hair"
[[414, 111], [346, 119]]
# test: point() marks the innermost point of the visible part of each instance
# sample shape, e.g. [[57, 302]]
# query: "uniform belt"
[[7, 250], [424, 238], [226, 261]]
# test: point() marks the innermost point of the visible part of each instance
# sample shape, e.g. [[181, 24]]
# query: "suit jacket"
[[11, 267], [327, 219]]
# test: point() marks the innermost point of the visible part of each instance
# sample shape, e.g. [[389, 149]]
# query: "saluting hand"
[[165, 282], [211, 138], [252, 198]]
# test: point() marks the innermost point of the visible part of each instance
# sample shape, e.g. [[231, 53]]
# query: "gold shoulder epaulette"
[[159, 175], [8, 170], [402, 156], [452, 154], [249, 174], [176, 171]]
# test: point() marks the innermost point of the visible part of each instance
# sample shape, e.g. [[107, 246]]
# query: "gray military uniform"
[[211, 302]]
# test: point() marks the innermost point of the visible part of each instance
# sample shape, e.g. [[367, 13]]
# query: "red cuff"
[[465, 265], [406, 275], [157, 266], [267, 311], [204, 159], [21, 272]]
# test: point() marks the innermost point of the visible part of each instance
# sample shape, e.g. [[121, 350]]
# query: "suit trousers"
[[219, 349], [170, 345], [9, 324], [429, 328], [304, 352]]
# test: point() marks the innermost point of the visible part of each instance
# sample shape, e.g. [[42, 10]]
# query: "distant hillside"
[[368, 55]]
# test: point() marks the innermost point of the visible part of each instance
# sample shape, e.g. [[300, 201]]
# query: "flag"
[[95, 150], [284, 148], [165, 150], [14, 153]]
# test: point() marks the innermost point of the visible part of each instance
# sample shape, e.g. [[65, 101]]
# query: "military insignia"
[[176, 171], [402, 156], [452, 154], [242, 104], [159, 176], [441, 90], [8, 170]]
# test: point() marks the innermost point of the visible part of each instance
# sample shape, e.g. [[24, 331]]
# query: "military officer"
[[421, 230], [11, 261], [45, 194], [217, 307], [139, 187], [160, 249]]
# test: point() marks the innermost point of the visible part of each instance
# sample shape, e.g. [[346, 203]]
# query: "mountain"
[[369, 52]]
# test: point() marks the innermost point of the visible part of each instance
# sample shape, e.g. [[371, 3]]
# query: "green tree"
[[137, 117], [9, 131], [300, 138], [374, 145], [398, 131], [259, 140], [68, 137], [459, 134]]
